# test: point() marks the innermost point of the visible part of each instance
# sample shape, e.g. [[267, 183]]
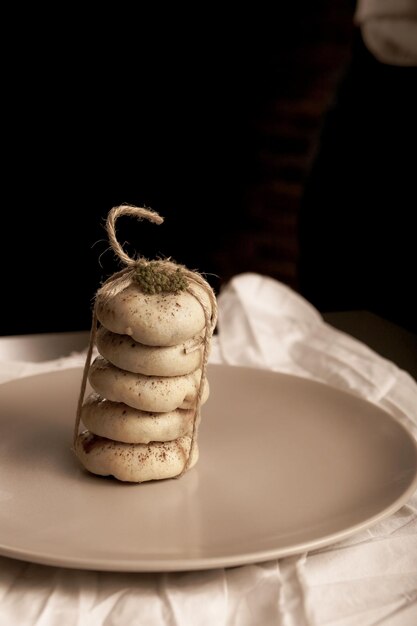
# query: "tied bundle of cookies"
[[152, 326]]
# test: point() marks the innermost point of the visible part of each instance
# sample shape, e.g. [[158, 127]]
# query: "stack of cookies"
[[140, 417]]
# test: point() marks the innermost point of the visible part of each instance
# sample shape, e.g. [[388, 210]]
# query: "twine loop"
[[132, 211]]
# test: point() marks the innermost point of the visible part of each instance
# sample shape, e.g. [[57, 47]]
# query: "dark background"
[[279, 146]]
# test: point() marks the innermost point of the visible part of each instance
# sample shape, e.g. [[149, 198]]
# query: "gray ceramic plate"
[[286, 465]]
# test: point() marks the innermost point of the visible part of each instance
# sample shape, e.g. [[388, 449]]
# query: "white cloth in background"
[[389, 29], [367, 580]]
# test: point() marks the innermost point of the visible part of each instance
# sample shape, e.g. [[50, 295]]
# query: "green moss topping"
[[153, 277]]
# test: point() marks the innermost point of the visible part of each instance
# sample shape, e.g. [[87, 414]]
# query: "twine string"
[[121, 280], [87, 363], [132, 211], [197, 413]]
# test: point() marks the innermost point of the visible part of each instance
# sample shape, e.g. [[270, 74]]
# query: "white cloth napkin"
[[389, 29], [370, 579]]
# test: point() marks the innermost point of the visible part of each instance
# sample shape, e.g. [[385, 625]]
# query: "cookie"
[[133, 462], [164, 319], [132, 356], [121, 422], [157, 394]]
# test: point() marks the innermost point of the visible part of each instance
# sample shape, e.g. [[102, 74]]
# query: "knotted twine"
[[155, 276]]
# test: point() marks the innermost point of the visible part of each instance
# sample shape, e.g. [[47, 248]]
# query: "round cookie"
[[164, 319], [133, 462], [132, 356], [157, 394], [121, 422]]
